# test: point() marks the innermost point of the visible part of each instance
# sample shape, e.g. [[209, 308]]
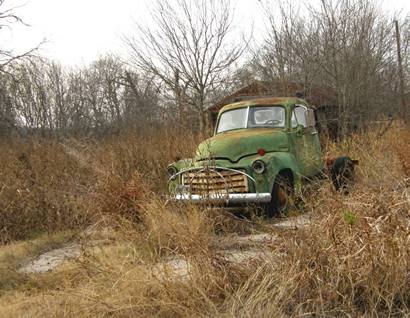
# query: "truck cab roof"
[[265, 101]]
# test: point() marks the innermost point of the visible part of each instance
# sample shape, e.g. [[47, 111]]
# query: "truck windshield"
[[252, 117]]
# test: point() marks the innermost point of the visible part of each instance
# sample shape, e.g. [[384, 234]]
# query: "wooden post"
[[400, 67]]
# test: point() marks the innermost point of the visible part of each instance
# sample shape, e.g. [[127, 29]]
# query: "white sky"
[[78, 31]]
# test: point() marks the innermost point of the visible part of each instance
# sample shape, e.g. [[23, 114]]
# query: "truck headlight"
[[258, 166], [172, 170]]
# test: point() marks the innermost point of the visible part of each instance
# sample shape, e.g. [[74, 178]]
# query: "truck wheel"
[[282, 196], [342, 173]]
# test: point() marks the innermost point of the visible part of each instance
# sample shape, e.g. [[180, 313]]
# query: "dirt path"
[[294, 222], [235, 249], [51, 259]]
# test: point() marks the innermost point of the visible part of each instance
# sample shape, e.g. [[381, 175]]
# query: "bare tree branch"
[[7, 56], [190, 48]]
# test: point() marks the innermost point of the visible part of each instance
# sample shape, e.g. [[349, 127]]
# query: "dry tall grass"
[[162, 260], [51, 185], [41, 189]]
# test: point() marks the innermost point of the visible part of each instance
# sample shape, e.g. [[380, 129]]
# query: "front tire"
[[282, 196]]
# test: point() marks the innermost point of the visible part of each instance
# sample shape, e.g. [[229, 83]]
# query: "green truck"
[[262, 152]]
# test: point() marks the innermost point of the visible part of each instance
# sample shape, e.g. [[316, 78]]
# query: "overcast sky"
[[78, 31]]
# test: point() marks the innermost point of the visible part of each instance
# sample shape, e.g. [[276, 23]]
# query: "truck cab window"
[[299, 117]]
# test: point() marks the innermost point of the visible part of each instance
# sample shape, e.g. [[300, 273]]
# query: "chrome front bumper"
[[228, 198]]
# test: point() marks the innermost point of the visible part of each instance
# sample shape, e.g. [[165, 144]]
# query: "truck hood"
[[234, 145]]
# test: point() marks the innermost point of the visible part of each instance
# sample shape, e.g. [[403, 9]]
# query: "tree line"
[[104, 97], [194, 53]]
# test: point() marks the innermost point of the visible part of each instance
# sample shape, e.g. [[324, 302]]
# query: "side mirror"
[[311, 121]]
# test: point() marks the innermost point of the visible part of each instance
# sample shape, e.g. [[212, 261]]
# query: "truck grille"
[[207, 182]]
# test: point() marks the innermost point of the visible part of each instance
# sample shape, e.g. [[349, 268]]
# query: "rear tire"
[[343, 174], [282, 196]]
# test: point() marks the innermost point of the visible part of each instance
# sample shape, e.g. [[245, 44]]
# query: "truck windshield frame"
[[258, 116]]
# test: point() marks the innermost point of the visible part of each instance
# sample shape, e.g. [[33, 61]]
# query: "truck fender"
[[285, 162]]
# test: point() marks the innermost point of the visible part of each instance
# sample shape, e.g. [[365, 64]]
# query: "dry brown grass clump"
[[353, 260], [41, 189], [148, 154], [402, 149], [49, 185]]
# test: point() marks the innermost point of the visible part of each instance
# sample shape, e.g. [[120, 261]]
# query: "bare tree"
[[7, 112], [7, 19], [189, 48], [79, 118], [104, 97], [31, 96], [344, 45], [56, 95], [141, 100]]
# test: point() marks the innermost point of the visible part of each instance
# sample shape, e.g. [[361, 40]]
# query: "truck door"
[[305, 141]]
